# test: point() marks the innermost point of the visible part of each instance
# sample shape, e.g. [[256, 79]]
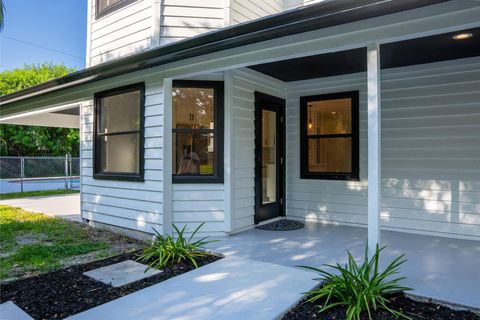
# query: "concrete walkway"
[[442, 268], [231, 288], [10, 311], [64, 206]]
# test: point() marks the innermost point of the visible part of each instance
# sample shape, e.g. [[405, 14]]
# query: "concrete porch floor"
[[441, 268]]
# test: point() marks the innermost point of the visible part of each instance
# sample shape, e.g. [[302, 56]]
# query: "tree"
[[18, 140]]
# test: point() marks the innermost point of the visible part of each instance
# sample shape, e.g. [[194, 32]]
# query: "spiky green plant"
[[359, 289], [164, 250]]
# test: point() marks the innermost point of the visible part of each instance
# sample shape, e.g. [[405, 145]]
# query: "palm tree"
[[2, 14]]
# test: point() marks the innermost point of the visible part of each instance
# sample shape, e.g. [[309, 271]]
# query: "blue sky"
[[59, 25]]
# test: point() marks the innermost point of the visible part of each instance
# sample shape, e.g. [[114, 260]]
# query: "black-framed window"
[[119, 133], [329, 128], [104, 7], [197, 131]]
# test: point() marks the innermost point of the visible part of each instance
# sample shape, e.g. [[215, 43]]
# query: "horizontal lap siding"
[[122, 32], [132, 205], [245, 83], [323, 200], [430, 152], [292, 4], [193, 204], [246, 10], [182, 19]]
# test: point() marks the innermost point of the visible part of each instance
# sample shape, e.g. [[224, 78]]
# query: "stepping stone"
[[230, 288], [10, 311], [122, 273]]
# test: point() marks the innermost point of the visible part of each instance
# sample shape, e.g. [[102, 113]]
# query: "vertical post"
[[66, 171], [374, 146], [22, 172], [167, 157], [228, 150], [70, 171]]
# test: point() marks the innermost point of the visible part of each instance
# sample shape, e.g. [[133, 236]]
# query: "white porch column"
[[167, 157], [374, 146]]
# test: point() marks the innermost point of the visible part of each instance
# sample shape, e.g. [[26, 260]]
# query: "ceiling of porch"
[[435, 48], [63, 118]]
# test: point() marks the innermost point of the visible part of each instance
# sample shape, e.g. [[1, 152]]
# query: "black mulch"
[[65, 292], [282, 225], [416, 310]]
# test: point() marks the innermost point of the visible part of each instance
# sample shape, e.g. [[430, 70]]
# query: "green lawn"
[[15, 195], [32, 243]]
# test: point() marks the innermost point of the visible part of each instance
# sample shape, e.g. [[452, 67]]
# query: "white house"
[[232, 113]]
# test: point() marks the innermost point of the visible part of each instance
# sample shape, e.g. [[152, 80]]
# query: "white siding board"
[[430, 152], [189, 22], [123, 43], [183, 19], [199, 203], [114, 201], [138, 225], [131, 27], [107, 54], [246, 10], [125, 213], [292, 4], [122, 32]]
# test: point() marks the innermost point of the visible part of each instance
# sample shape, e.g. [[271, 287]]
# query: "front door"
[[269, 157]]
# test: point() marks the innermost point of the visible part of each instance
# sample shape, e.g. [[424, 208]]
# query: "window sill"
[[327, 176], [196, 179], [118, 177]]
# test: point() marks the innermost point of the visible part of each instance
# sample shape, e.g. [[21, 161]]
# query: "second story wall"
[[142, 24], [126, 30], [246, 10], [292, 4], [180, 19]]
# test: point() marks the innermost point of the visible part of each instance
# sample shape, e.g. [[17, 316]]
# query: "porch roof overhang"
[[313, 17], [435, 48]]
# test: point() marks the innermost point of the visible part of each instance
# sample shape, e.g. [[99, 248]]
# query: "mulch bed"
[[414, 309], [65, 292]]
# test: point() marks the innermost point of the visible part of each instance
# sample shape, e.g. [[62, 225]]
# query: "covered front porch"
[[437, 267]]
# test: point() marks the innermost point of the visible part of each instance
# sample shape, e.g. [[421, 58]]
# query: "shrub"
[[359, 288], [167, 249]]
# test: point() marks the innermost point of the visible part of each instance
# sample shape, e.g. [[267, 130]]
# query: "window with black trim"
[[104, 7], [197, 131], [330, 136], [119, 129]]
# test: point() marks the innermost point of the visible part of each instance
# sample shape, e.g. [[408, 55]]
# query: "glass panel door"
[[269, 156]]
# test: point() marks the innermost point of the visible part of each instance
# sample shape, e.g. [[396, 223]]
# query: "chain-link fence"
[[21, 174]]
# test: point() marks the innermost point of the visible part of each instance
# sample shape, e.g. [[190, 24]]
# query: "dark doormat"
[[282, 225]]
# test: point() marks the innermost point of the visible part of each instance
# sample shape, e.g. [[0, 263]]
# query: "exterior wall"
[[292, 4], [430, 152], [246, 10], [193, 204], [122, 32], [132, 205], [182, 19], [245, 82]]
